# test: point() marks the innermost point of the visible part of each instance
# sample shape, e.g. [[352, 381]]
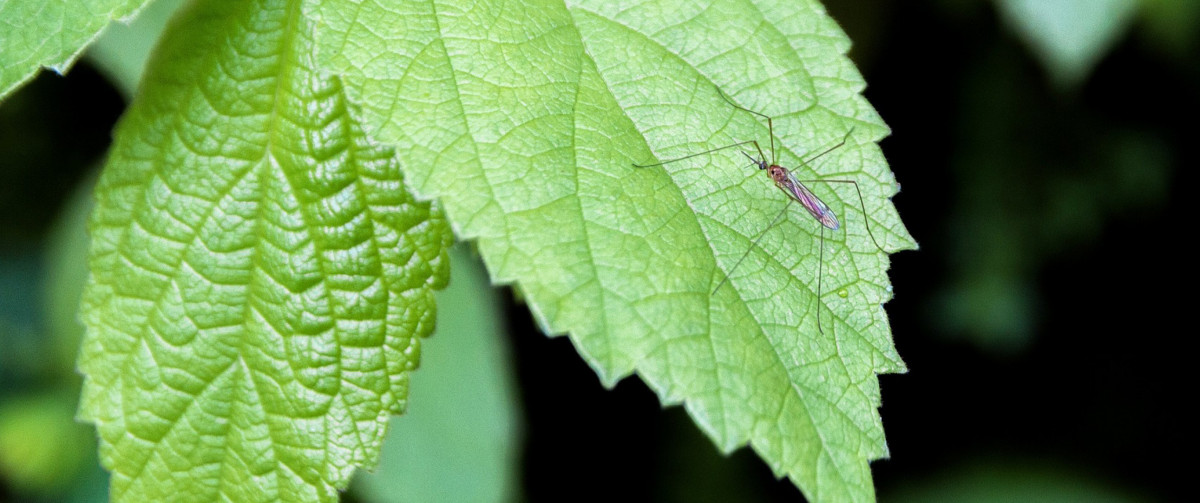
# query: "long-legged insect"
[[795, 190]]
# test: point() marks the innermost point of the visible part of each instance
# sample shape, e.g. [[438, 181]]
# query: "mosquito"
[[795, 190]]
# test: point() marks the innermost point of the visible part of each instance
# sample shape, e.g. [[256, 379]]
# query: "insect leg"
[[770, 124], [820, 274], [752, 245], [830, 149], [861, 204], [738, 144]]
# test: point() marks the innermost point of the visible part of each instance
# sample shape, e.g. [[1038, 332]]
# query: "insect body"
[[795, 190]]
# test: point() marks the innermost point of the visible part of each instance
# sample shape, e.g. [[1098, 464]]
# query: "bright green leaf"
[[459, 439], [524, 119], [260, 276], [50, 33], [1069, 36]]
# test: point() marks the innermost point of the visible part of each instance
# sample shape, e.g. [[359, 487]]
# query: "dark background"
[[1041, 319]]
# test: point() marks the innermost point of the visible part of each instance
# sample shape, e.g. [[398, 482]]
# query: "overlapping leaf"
[[50, 33]]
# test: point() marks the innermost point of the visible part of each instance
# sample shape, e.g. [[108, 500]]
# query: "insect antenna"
[[697, 154], [770, 130]]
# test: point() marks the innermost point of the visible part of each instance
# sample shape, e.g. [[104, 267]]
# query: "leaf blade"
[[536, 127], [260, 277]]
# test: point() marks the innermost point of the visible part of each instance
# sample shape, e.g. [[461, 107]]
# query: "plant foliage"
[[261, 277]]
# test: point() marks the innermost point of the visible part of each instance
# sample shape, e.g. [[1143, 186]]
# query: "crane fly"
[[795, 189]]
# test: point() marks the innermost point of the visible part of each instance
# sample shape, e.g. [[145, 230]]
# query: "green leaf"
[[50, 33], [459, 440], [1069, 36], [260, 276], [524, 119]]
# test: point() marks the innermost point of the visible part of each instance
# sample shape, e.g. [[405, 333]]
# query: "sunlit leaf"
[[50, 33], [524, 118]]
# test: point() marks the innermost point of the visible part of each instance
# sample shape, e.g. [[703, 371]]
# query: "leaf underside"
[[260, 275], [524, 119]]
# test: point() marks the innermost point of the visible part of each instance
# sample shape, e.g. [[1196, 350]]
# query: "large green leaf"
[[50, 33], [260, 276], [524, 118]]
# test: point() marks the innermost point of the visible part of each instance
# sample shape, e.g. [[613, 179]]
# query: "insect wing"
[[815, 206]]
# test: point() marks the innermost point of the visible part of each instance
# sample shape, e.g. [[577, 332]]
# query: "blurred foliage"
[[1030, 185], [44, 453], [1003, 480], [122, 50], [65, 257], [1169, 26], [42, 448], [47, 145], [1036, 172], [1069, 36]]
